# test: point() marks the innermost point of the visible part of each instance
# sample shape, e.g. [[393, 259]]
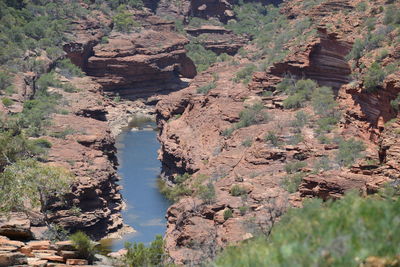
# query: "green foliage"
[[272, 138], [173, 193], [228, 214], [243, 210], [335, 233], [349, 151], [56, 233], [395, 103], [237, 190], [68, 69], [114, 4], [5, 80], [392, 15], [252, 115], [123, 21], [247, 142], [206, 88], [291, 182], [244, 75], [299, 92], [323, 164], [323, 102], [6, 101], [84, 246], [179, 179], [201, 57], [295, 166], [27, 181], [374, 77], [247, 117], [301, 119], [140, 255], [47, 80], [206, 193]]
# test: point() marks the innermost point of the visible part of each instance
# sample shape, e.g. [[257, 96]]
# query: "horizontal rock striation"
[[141, 64]]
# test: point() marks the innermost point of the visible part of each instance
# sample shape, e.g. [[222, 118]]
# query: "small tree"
[[206, 192], [140, 255], [123, 20], [374, 77], [349, 151], [28, 181], [85, 247]]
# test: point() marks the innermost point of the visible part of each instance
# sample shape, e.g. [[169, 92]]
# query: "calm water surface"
[[139, 169]]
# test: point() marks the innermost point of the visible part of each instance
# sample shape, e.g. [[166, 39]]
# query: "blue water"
[[139, 169]]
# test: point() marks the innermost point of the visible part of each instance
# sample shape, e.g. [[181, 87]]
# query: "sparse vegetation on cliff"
[[325, 234]]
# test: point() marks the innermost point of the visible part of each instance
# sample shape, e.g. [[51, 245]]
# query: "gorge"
[[261, 107]]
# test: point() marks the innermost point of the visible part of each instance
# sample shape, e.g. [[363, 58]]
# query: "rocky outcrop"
[[218, 39], [141, 64], [38, 253], [85, 34], [322, 59]]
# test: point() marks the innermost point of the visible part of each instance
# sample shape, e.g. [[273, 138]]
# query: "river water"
[[139, 168]]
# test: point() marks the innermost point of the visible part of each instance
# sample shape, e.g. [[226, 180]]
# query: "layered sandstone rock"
[[142, 63]]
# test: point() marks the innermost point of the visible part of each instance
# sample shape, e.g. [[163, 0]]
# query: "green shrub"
[[374, 77], [69, 88], [47, 80], [206, 193], [237, 190], [228, 214], [252, 115], [243, 210], [272, 138], [337, 233], [295, 139], [56, 233], [323, 102], [123, 20], [323, 164], [140, 255], [68, 69], [295, 166], [357, 51], [392, 15], [301, 119], [179, 179], [292, 181], [244, 75], [206, 88], [84, 246], [201, 57], [395, 103], [299, 93], [349, 151], [5, 80], [6, 101], [173, 193], [247, 143]]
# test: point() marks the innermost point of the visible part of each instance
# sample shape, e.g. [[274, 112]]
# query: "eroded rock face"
[[218, 39], [142, 63]]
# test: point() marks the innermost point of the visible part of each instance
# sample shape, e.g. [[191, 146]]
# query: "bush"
[[349, 151], [323, 102], [243, 210], [337, 233], [123, 21], [140, 255], [291, 182], [68, 69], [237, 190], [247, 143], [374, 77], [173, 193], [301, 119], [295, 166], [272, 138], [206, 193], [47, 80], [395, 103], [251, 116], [201, 57], [5, 80], [357, 51], [206, 88], [84, 246], [179, 179], [6, 101], [392, 15], [244, 75], [228, 214], [299, 93]]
